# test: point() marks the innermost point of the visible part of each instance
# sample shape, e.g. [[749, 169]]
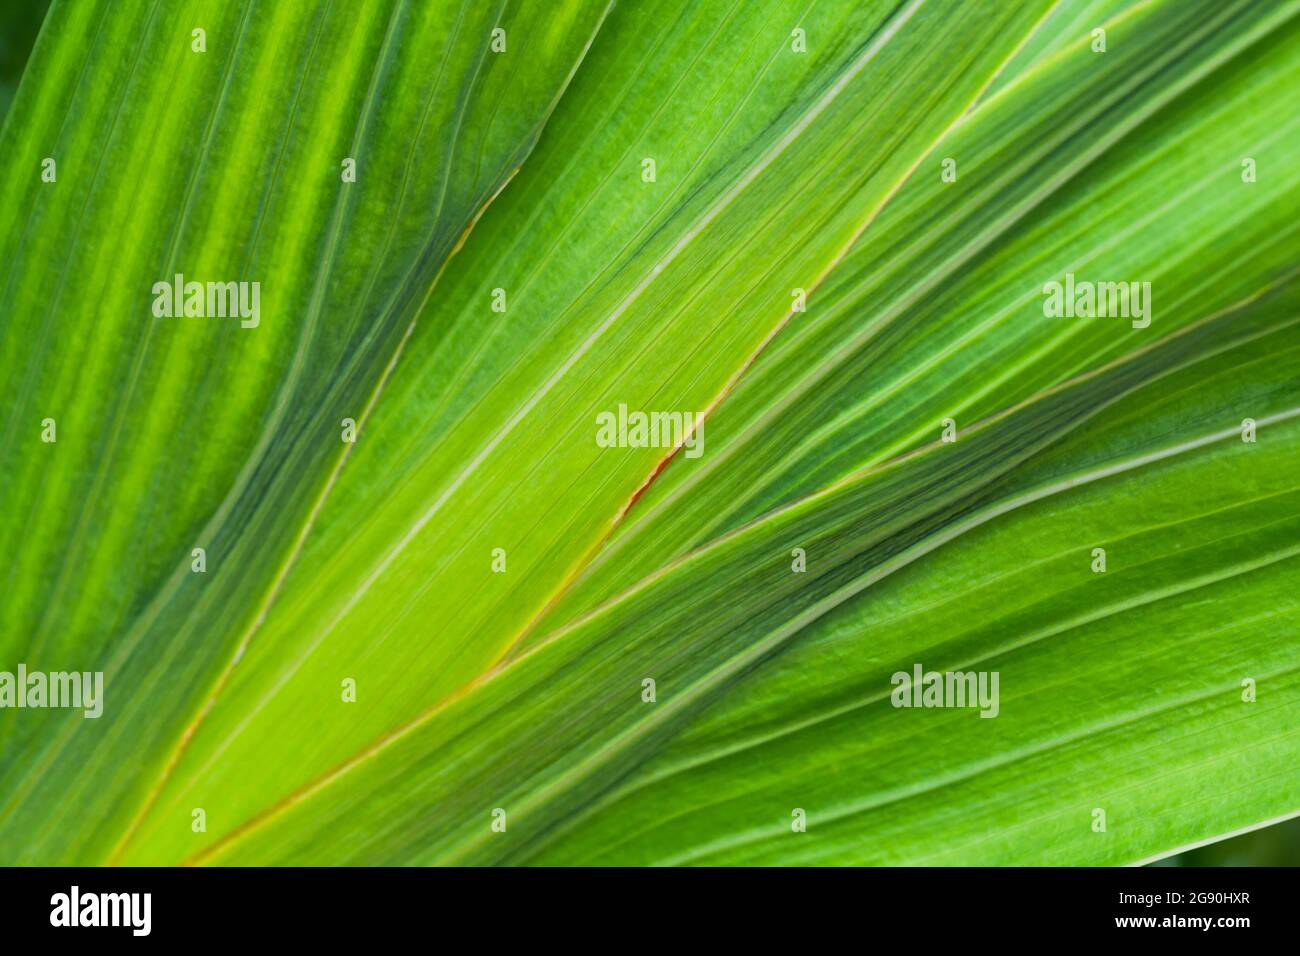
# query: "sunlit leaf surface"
[[377, 568]]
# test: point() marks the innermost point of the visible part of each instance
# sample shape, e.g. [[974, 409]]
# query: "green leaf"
[[617, 322], [225, 165], [685, 629], [668, 185]]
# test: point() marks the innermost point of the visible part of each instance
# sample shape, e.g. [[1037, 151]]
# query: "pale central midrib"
[[691, 234], [778, 637], [174, 757], [709, 215], [631, 531], [406, 728]]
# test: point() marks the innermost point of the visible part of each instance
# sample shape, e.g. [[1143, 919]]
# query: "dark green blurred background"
[[1278, 845], [20, 21]]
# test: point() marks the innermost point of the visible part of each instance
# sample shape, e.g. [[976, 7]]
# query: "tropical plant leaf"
[[629, 332], [221, 165], [491, 745], [1043, 184], [826, 228]]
